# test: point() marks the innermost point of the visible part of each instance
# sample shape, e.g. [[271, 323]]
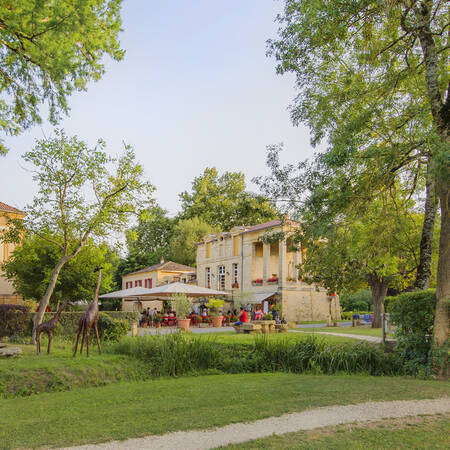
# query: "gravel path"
[[287, 423], [362, 337]]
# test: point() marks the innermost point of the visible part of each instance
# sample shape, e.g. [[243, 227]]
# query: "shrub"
[[14, 320], [361, 300], [68, 322], [413, 314], [182, 305], [111, 330]]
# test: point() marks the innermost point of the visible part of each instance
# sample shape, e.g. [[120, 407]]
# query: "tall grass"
[[177, 354], [170, 355]]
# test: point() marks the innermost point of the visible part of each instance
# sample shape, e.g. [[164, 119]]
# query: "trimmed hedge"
[[14, 320], [67, 326]]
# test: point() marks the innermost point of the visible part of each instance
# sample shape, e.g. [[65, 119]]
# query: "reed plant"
[[177, 354]]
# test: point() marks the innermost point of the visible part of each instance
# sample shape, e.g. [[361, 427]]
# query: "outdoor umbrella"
[[125, 293], [171, 289]]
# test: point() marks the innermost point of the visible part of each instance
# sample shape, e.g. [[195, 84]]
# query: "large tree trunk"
[[379, 290], [441, 318], [48, 293], [426, 243], [440, 111]]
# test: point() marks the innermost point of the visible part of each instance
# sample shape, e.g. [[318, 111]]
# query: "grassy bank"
[[408, 433], [155, 407], [33, 374]]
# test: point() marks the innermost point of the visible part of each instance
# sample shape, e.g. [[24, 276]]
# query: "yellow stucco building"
[[156, 275], [7, 294], [251, 270]]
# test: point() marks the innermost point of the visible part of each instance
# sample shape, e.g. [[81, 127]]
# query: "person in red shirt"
[[242, 317]]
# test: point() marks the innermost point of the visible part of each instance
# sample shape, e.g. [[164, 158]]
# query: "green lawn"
[[408, 433], [363, 330], [233, 338], [126, 410]]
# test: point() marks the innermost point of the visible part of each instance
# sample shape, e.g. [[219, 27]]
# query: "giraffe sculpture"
[[48, 327], [89, 319]]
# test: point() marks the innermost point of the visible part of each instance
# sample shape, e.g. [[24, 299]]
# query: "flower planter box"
[[257, 283]]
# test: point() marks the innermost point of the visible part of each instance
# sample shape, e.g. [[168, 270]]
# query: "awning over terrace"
[[257, 298]]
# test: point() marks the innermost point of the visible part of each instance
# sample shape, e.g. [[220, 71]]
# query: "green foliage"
[[67, 326], [413, 314], [358, 301], [187, 233], [31, 264], [171, 355], [182, 305], [110, 329], [148, 242], [177, 354], [82, 194], [222, 201], [14, 320], [49, 50], [213, 305]]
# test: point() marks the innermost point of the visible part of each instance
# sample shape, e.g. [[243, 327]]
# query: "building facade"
[[7, 294], [253, 264], [153, 276]]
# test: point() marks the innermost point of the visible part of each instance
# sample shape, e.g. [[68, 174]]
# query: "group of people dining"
[[200, 314]]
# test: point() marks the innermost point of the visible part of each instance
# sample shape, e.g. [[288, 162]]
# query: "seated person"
[[242, 317], [258, 314]]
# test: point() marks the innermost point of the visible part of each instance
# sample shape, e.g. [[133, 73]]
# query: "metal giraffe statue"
[[48, 327], [89, 319]]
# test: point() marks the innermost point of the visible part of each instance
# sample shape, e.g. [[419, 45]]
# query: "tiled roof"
[[170, 266], [262, 226], [6, 208]]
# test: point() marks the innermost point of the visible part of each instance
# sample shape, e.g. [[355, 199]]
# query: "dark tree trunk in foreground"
[[379, 290], [426, 243], [440, 111]]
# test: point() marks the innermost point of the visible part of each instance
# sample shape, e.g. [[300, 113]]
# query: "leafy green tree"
[[375, 248], [32, 262], [373, 79], [186, 234], [82, 194], [147, 243], [48, 50], [222, 201], [358, 301]]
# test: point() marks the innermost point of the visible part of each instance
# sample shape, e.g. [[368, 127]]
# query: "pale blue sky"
[[195, 89]]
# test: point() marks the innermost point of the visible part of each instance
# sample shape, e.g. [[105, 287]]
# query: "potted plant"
[[182, 307], [273, 279], [257, 282], [291, 280], [157, 320], [214, 305]]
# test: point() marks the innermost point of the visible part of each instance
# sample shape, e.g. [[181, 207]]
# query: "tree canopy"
[[48, 50], [82, 194], [187, 233], [223, 202], [375, 247], [32, 263], [373, 80]]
